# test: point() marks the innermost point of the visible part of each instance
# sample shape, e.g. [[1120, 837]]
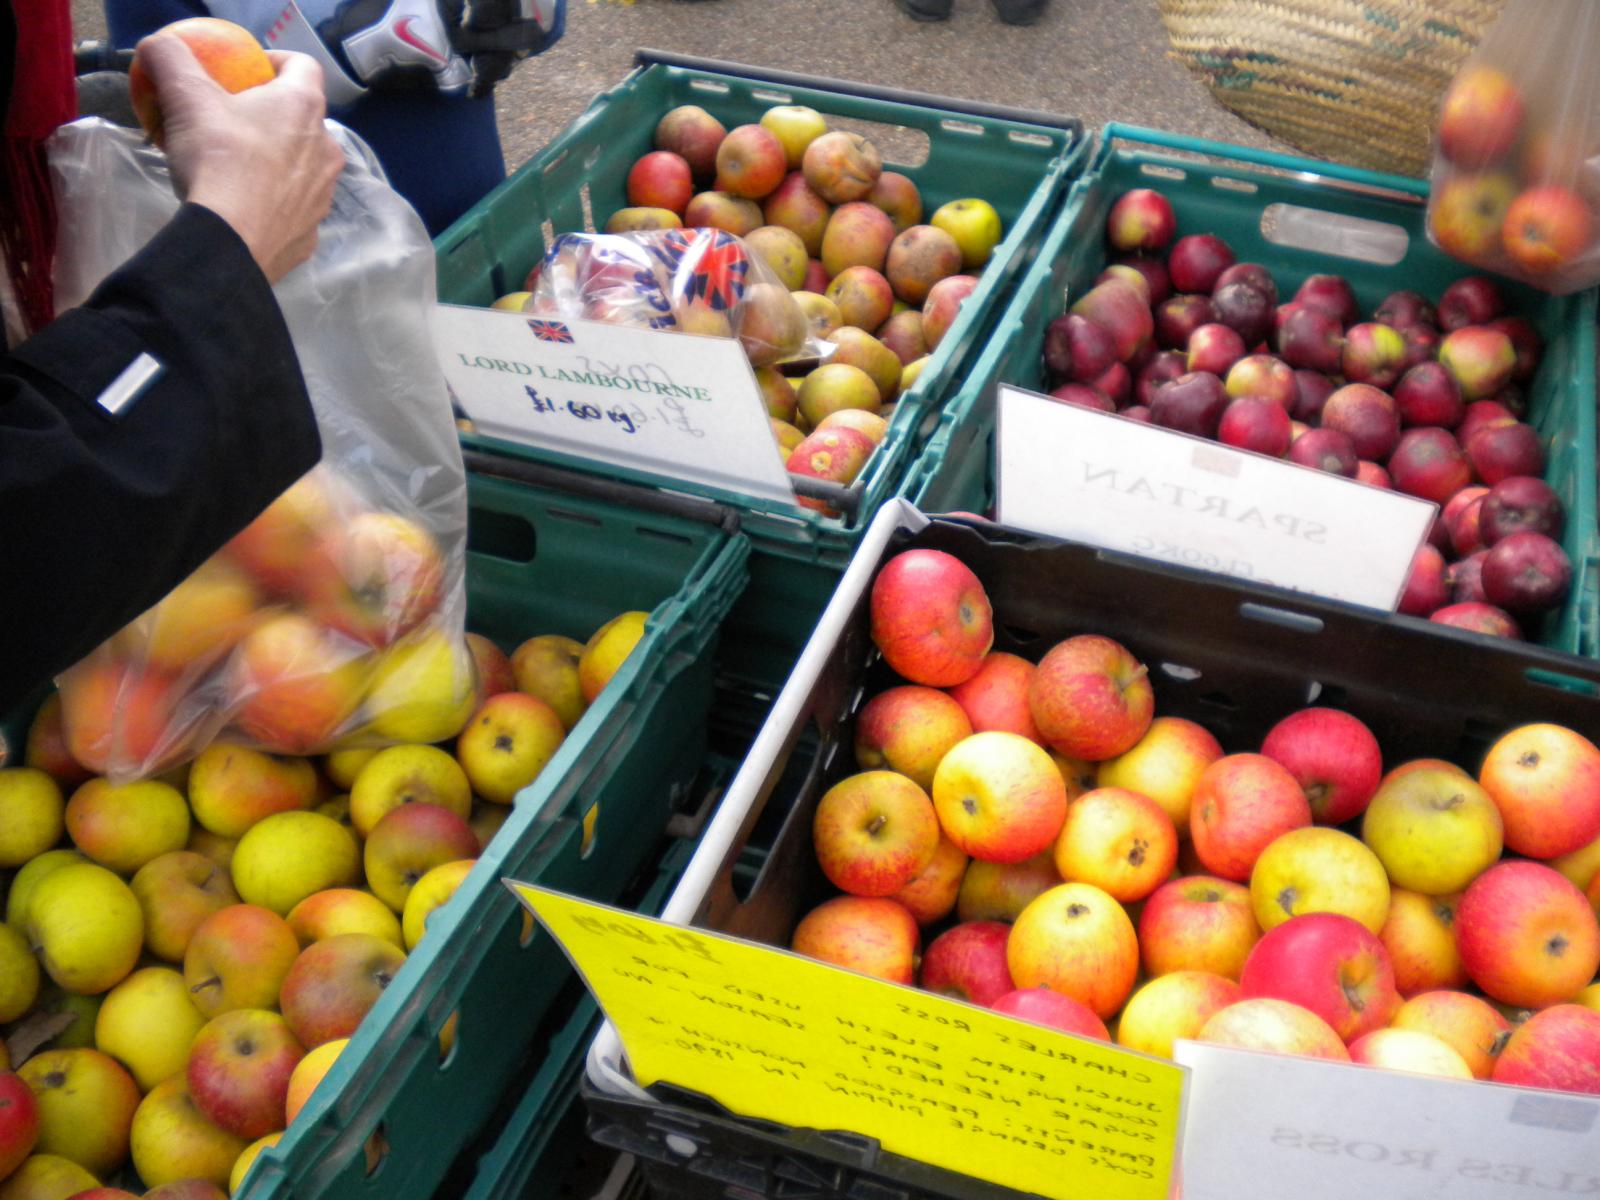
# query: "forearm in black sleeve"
[[138, 433]]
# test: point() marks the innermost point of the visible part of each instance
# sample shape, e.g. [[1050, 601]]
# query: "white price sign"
[[670, 404], [1091, 477], [1266, 1126]]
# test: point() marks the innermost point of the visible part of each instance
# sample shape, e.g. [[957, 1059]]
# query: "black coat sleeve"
[[138, 433]]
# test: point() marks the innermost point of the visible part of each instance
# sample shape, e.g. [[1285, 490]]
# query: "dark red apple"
[[1513, 398], [1245, 310], [1500, 451], [1253, 274], [1325, 449], [1333, 295], [1177, 319], [1141, 219], [1465, 578], [1428, 394], [1422, 344], [1526, 573], [1253, 423], [1529, 346], [1521, 504], [1404, 308], [1309, 338], [1116, 383], [1429, 463], [1311, 392], [1426, 587], [1367, 415], [1077, 349], [1214, 348], [1264, 376], [1163, 368], [1136, 412], [1192, 403], [1084, 395], [968, 961], [1475, 300], [1461, 515], [1373, 354], [1479, 618], [1197, 261], [1480, 414], [1154, 272], [1371, 474]]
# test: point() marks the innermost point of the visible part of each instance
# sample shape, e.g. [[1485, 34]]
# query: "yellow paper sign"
[[774, 1036]]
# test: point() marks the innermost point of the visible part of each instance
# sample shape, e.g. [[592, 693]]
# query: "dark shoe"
[[925, 10], [1020, 12]]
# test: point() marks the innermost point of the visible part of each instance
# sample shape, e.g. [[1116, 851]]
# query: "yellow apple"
[[408, 843], [171, 1140], [607, 650], [411, 774], [199, 620], [796, 127], [19, 900], [1170, 1007], [1165, 765], [975, 226], [30, 814], [247, 1158], [511, 301], [507, 743], [176, 892], [288, 856], [1420, 936], [87, 926], [307, 1073], [432, 890], [19, 975], [231, 788], [344, 910], [1434, 830], [342, 766], [546, 667], [122, 828], [1589, 997], [146, 1023], [46, 1177], [423, 689], [86, 1104], [486, 821], [1581, 866], [1317, 869]]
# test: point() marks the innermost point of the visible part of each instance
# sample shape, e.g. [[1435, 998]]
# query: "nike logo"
[[402, 30]]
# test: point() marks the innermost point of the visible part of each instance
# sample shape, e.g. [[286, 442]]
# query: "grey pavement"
[[1099, 60]]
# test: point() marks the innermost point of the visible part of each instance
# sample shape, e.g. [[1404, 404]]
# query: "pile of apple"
[[200, 949], [1422, 399], [1106, 864], [1510, 192], [848, 241]]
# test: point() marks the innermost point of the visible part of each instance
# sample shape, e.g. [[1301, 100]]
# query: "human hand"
[[260, 159]]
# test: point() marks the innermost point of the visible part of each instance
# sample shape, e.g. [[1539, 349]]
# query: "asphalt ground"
[[1098, 60]]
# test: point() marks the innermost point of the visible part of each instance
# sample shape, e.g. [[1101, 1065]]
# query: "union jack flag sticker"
[[551, 331], [716, 266]]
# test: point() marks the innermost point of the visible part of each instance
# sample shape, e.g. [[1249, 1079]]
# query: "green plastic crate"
[[1020, 162], [542, 557], [1237, 193]]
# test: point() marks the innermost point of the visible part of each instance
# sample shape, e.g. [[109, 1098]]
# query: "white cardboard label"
[[670, 404], [1091, 477], [1269, 1126]]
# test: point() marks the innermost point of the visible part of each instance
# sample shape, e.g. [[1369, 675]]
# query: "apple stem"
[[204, 984], [876, 825]]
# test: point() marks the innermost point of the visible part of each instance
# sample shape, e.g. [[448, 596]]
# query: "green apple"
[[975, 226], [796, 127]]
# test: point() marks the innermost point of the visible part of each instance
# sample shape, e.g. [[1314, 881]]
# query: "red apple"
[[1253, 423], [1197, 923], [1498, 451], [1214, 348], [1466, 579], [932, 895], [1178, 317], [1527, 935], [874, 833], [1461, 516], [1193, 403], [751, 162], [931, 618], [968, 961], [1141, 219], [239, 1068], [872, 935], [693, 133], [1545, 780], [1197, 261], [1371, 474], [1526, 573], [661, 179], [1404, 308], [1156, 279], [1429, 463], [1328, 450], [1428, 394], [1546, 228], [1263, 376], [1077, 349], [1090, 698], [19, 1122], [1334, 758], [1241, 803], [1253, 275], [1118, 308], [1474, 300], [1116, 383], [1558, 1048], [1311, 392], [1426, 589], [1520, 504], [1082, 395], [996, 698], [1310, 338], [1162, 368], [1330, 964], [1480, 117], [1367, 416], [1481, 360], [334, 983], [1465, 216], [1422, 344], [1525, 338], [1245, 310], [1479, 618], [1331, 294], [1373, 354], [1043, 1006], [943, 306]]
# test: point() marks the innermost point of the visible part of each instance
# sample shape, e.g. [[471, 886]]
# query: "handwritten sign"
[[675, 405], [774, 1036], [1124, 485], [1265, 1126]]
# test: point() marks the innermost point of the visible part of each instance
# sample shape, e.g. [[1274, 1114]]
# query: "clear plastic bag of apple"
[[1516, 166], [703, 281], [336, 618]]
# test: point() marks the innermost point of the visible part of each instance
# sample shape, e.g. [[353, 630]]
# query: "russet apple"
[[408, 843], [1079, 941], [999, 797], [1241, 804], [1275, 1027], [1408, 1050], [917, 259], [1118, 840], [721, 210], [933, 894], [507, 744], [1043, 1006], [1469, 1025], [909, 729], [1433, 828], [147, 1023], [239, 1069], [1315, 869], [1330, 964], [861, 296], [307, 1073], [899, 197], [1173, 1006], [782, 250], [1527, 936], [86, 1104], [968, 961], [857, 348], [1334, 758], [841, 167], [288, 856], [402, 775], [795, 207], [942, 310], [1198, 923], [874, 833], [237, 958], [1545, 780], [343, 910], [835, 455], [1090, 698], [176, 892], [931, 618], [334, 982], [32, 815], [694, 134], [870, 934], [86, 925], [1419, 935], [1558, 1048], [172, 1140], [858, 235]]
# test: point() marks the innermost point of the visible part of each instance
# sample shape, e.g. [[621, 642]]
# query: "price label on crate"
[[1265, 1126], [777, 1037], [1091, 477], [667, 404]]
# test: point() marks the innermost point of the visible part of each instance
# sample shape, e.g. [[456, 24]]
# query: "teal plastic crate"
[[1021, 162], [1297, 218], [546, 554]]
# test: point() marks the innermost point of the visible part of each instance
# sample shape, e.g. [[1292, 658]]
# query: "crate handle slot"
[[1179, 671], [578, 518], [1162, 171], [770, 96], [1322, 232], [1023, 138], [967, 127], [1282, 617], [710, 85], [1228, 183], [501, 535]]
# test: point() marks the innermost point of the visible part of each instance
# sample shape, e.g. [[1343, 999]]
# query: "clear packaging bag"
[[682, 280], [1516, 165], [337, 617]]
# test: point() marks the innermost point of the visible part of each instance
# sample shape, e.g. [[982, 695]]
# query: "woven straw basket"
[[1355, 81]]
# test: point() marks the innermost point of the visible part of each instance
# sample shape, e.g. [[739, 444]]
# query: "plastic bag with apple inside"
[[681, 280], [336, 617], [1516, 165]]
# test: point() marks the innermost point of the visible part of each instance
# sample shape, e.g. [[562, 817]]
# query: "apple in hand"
[[1043, 1006], [1480, 117], [1329, 964], [874, 833], [1546, 228], [870, 934], [931, 618], [1466, 217], [239, 1068], [968, 961]]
